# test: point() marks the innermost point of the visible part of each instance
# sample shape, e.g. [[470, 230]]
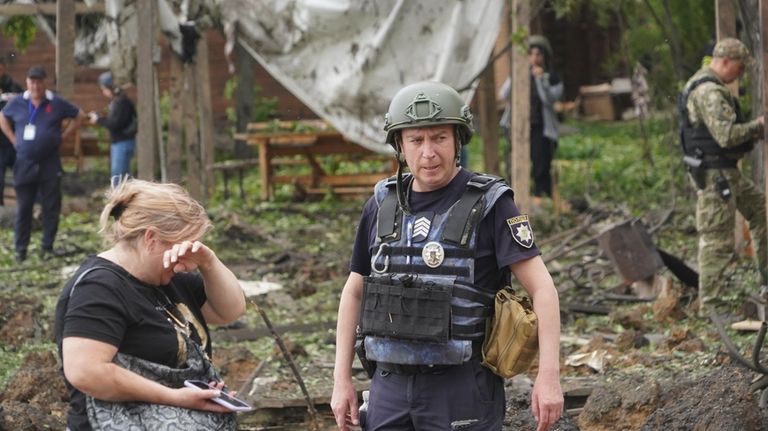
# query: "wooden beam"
[[192, 134], [175, 121], [145, 82], [764, 37], [65, 47], [79, 8], [725, 16], [245, 96], [725, 19], [520, 158], [489, 120], [205, 115]]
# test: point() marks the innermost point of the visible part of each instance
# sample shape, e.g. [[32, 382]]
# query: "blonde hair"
[[133, 206]]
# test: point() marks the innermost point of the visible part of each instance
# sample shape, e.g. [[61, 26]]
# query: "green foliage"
[[605, 162], [650, 31], [264, 108], [22, 29]]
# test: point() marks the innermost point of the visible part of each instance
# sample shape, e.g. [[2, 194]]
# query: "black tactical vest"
[[420, 304], [698, 142]]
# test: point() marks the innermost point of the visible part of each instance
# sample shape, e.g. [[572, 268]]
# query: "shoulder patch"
[[521, 230]]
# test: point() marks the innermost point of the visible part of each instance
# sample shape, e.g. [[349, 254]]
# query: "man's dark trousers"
[[50, 194], [467, 397]]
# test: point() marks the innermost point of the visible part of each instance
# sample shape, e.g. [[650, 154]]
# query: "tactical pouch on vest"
[[417, 311], [512, 339]]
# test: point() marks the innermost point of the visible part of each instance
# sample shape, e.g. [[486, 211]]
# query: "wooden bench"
[[280, 142]]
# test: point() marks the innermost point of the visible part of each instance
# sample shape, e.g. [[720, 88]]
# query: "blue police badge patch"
[[521, 230]]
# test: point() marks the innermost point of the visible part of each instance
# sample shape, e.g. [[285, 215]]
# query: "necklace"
[[180, 324]]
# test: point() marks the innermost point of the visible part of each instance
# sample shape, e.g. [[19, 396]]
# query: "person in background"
[[546, 89], [715, 135], [440, 228], [33, 124], [154, 288], [8, 90], [122, 124]]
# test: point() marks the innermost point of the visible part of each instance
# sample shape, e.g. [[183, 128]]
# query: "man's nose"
[[428, 149]]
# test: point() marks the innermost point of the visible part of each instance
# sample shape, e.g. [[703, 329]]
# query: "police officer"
[[32, 122], [432, 248], [715, 136]]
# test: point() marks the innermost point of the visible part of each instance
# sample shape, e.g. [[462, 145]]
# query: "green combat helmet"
[[541, 42], [424, 104]]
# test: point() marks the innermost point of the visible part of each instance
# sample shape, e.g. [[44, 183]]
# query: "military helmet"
[[541, 42], [427, 103]]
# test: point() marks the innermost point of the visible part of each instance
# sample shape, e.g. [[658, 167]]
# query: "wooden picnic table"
[[278, 142]]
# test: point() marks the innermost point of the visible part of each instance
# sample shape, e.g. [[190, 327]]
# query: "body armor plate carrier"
[[420, 304], [700, 149]]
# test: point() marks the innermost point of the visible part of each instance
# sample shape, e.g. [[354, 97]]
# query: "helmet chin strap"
[[400, 188]]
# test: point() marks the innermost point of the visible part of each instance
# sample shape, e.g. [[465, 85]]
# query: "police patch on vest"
[[421, 228], [433, 254], [521, 230]]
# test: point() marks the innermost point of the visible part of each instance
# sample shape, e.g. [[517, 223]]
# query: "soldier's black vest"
[[698, 142], [420, 303]]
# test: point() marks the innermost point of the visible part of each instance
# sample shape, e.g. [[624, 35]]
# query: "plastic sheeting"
[[346, 59]]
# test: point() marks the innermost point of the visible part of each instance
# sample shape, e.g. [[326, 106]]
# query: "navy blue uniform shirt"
[[47, 117], [496, 247]]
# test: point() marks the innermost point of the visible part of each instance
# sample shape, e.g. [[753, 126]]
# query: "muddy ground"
[[640, 365]]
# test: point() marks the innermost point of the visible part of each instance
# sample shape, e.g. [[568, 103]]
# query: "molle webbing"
[[698, 141], [462, 221]]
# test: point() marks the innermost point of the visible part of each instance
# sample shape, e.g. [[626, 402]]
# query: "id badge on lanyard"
[[30, 130]]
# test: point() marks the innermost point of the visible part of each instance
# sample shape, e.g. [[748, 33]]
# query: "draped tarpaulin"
[[343, 59], [346, 59]]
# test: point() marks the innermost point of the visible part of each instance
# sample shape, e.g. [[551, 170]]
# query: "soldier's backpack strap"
[[385, 192], [689, 89], [471, 207]]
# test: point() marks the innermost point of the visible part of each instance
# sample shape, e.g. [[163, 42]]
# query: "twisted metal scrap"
[[760, 384]]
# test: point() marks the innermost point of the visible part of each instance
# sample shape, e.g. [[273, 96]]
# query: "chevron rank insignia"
[[521, 230], [421, 228]]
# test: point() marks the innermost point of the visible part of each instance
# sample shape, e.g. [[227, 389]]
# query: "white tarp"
[[346, 59]]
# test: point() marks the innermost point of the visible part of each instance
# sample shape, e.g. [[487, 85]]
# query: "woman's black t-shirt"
[[112, 306]]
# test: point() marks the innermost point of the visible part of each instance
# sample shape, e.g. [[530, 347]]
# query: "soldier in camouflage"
[[714, 137]]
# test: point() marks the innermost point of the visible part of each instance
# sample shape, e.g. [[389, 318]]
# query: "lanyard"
[[33, 112]]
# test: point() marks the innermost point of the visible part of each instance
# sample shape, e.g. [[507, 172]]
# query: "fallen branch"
[[313, 416]]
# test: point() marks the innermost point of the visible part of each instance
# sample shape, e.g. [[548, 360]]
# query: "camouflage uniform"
[[712, 105]]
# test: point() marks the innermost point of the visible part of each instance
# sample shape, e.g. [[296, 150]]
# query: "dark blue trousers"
[[466, 397], [50, 195]]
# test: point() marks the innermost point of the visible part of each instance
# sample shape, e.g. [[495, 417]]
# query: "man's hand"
[[344, 404], [761, 120], [537, 71], [547, 400]]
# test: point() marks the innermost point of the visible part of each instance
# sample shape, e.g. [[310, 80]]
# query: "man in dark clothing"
[[32, 122], [8, 89], [122, 124]]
